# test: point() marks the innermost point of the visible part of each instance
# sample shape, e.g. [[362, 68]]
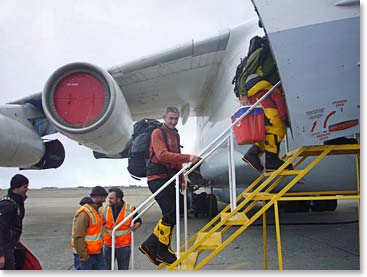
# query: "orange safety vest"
[[93, 237], [123, 233]]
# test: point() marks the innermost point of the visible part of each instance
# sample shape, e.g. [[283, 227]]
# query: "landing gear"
[[307, 206], [202, 204], [213, 206], [324, 205]]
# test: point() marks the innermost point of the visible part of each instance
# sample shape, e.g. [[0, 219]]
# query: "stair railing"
[[226, 135]]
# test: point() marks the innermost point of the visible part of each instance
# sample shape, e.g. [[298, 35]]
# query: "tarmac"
[[310, 241]]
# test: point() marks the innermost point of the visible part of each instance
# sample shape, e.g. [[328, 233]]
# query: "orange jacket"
[[170, 157], [93, 236], [123, 234]]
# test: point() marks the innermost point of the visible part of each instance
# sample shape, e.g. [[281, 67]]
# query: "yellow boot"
[[164, 253], [149, 248]]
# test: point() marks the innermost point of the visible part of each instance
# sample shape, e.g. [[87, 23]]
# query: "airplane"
[[314, 43]]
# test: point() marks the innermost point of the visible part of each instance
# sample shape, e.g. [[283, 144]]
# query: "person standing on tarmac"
[[166, 161], [112, 214], [87, 241], [11, 220], [276, 117]]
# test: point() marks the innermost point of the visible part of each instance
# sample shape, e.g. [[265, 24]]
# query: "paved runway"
[[310, 241]]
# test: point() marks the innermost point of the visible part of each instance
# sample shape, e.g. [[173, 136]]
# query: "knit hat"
[[86, 200], [18, 180], [98, 191]]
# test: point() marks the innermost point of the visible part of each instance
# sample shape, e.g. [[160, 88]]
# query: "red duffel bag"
[[24, 259]]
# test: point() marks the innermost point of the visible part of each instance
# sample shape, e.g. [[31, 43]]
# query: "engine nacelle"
[[21, 147], [85, 104]]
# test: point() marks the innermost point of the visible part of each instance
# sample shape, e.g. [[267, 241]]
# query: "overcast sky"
[[39, 36]]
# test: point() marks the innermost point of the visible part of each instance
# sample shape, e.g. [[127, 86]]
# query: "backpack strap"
[[165, 138], [164, 134], [7, 198], [178, 142], [162, 167]]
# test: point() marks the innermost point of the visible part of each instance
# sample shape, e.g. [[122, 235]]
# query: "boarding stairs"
[[268, 189], [212, 237]]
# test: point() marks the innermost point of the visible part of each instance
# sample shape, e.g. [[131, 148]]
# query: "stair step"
[[237, 219], [346, 149], [211, 243], [285, 172], [259, 196], [190, 261]]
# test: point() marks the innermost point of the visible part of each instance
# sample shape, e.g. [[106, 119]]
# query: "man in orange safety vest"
[[87, 242], [112, 214]]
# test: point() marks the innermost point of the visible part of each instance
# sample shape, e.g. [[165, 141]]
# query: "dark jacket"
[[11, 221]]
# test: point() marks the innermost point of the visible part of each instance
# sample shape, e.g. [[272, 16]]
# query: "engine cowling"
[[85, 104], [21, 146]]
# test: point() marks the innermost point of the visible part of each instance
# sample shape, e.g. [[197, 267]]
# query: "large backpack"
[[138, 148], [138, 155], [258, 60]]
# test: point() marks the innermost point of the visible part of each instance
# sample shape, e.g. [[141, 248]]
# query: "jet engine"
[[21, 146], [85, 104]]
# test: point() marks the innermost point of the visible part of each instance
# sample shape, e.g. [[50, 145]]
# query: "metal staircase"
[[243, 210], [212, 238]]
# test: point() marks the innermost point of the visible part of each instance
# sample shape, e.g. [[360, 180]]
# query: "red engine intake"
[[85, 103]]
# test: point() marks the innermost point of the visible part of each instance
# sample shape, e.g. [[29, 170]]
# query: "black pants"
[[166, 199]]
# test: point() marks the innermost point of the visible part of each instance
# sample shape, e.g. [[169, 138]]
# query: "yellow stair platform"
[[212, 242], [190, 261], [237, 219]]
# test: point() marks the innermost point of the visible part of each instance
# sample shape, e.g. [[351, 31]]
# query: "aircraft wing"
[[34, 99], [180, 77], [97, 107], [33, 114]]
